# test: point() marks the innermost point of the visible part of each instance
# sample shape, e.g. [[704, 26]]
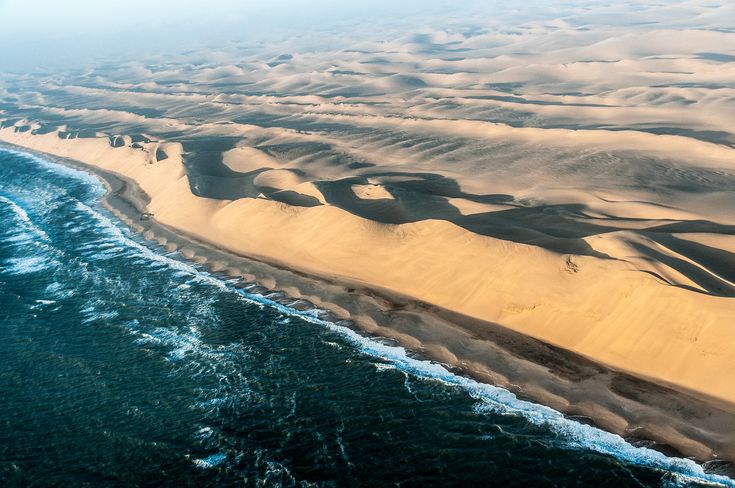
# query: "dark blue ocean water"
[[121, 365]]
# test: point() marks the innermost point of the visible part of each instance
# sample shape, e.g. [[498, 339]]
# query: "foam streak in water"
[[22, 216]]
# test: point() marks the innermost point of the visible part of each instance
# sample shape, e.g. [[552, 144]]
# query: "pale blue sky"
[[50, 32]]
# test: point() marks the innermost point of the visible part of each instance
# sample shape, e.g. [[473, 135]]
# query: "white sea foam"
[[59, 291], [92, 315], [60, 169], [211, 461], [24, 219], [490, 398], [204, 433], [25, 265]]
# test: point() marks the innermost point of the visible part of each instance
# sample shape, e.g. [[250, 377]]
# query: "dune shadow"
[[427, 196]]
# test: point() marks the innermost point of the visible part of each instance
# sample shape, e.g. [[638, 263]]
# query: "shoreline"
[[639, 410]]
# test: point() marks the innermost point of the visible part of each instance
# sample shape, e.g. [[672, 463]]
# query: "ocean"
[[122, 364]]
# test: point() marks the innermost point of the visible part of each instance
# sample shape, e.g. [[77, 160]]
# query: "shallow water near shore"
[[122, 364]]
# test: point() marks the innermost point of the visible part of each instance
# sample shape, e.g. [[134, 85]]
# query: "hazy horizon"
[[38, 34]]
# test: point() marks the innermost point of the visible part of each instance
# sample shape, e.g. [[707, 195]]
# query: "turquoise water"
[[121, 364]]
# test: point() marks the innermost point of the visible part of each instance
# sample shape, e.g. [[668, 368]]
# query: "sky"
[[47, 33]]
